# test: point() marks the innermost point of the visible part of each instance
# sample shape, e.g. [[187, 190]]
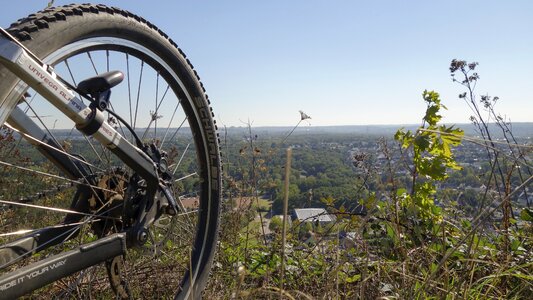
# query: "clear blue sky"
[[342, 62]]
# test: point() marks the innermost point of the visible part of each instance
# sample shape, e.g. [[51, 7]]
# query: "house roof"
[[312, 215], [190, 202]]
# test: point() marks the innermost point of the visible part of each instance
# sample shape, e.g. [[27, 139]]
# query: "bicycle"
[[125, 186]]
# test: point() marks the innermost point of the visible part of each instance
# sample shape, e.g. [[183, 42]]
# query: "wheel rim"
[[104, 51]]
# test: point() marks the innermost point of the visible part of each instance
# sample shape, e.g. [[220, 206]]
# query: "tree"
[[276, 223]]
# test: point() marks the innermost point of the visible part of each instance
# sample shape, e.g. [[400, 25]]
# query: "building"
[[312, 215]]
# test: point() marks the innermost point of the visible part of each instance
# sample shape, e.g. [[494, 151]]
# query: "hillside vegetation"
[[433, 211], [429, 213]]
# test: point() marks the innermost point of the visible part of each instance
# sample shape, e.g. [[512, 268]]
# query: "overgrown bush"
[[420, 238]]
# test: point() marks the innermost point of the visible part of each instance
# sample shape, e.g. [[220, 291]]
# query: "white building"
[[312, 215]]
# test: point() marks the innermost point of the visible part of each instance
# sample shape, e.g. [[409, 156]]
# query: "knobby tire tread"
[[24, 28]]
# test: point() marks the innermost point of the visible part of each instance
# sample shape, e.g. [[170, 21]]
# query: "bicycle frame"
[[41, 273], [28, 70], [43, 80]]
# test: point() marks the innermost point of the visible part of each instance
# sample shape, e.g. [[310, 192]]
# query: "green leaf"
[[466, 224], [422, 142], [451, 135], [515, 244], [401, 192], [354, 278], [432, 116], [433, 267], [526, 214]]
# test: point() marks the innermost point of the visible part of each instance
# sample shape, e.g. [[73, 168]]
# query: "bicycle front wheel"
[[162, 99]]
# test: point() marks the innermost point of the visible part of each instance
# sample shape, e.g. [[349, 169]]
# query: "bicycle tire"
[[57, 35]]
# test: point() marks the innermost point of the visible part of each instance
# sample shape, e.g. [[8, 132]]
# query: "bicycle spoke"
[[68, 233], [178, 129], [42, 158], [116, 121], [94, 149], [26, 231], [129, 85], [181, 158], [170, 123], [92, 62], [52, 176], [54, 209], [107, 60], [138, 95], [73, 80], [70, 72], [156, 108], [51, 147], [185, 177], [155, 116], [86, 181]]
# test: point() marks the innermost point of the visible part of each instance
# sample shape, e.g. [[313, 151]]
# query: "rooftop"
[[312, 215]]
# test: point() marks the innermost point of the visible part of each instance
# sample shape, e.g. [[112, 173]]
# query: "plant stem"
[[284, 227]]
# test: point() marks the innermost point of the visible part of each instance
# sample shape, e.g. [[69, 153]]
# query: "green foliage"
[[432, 156], [526, 214], [276, 223], [426, 235]]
